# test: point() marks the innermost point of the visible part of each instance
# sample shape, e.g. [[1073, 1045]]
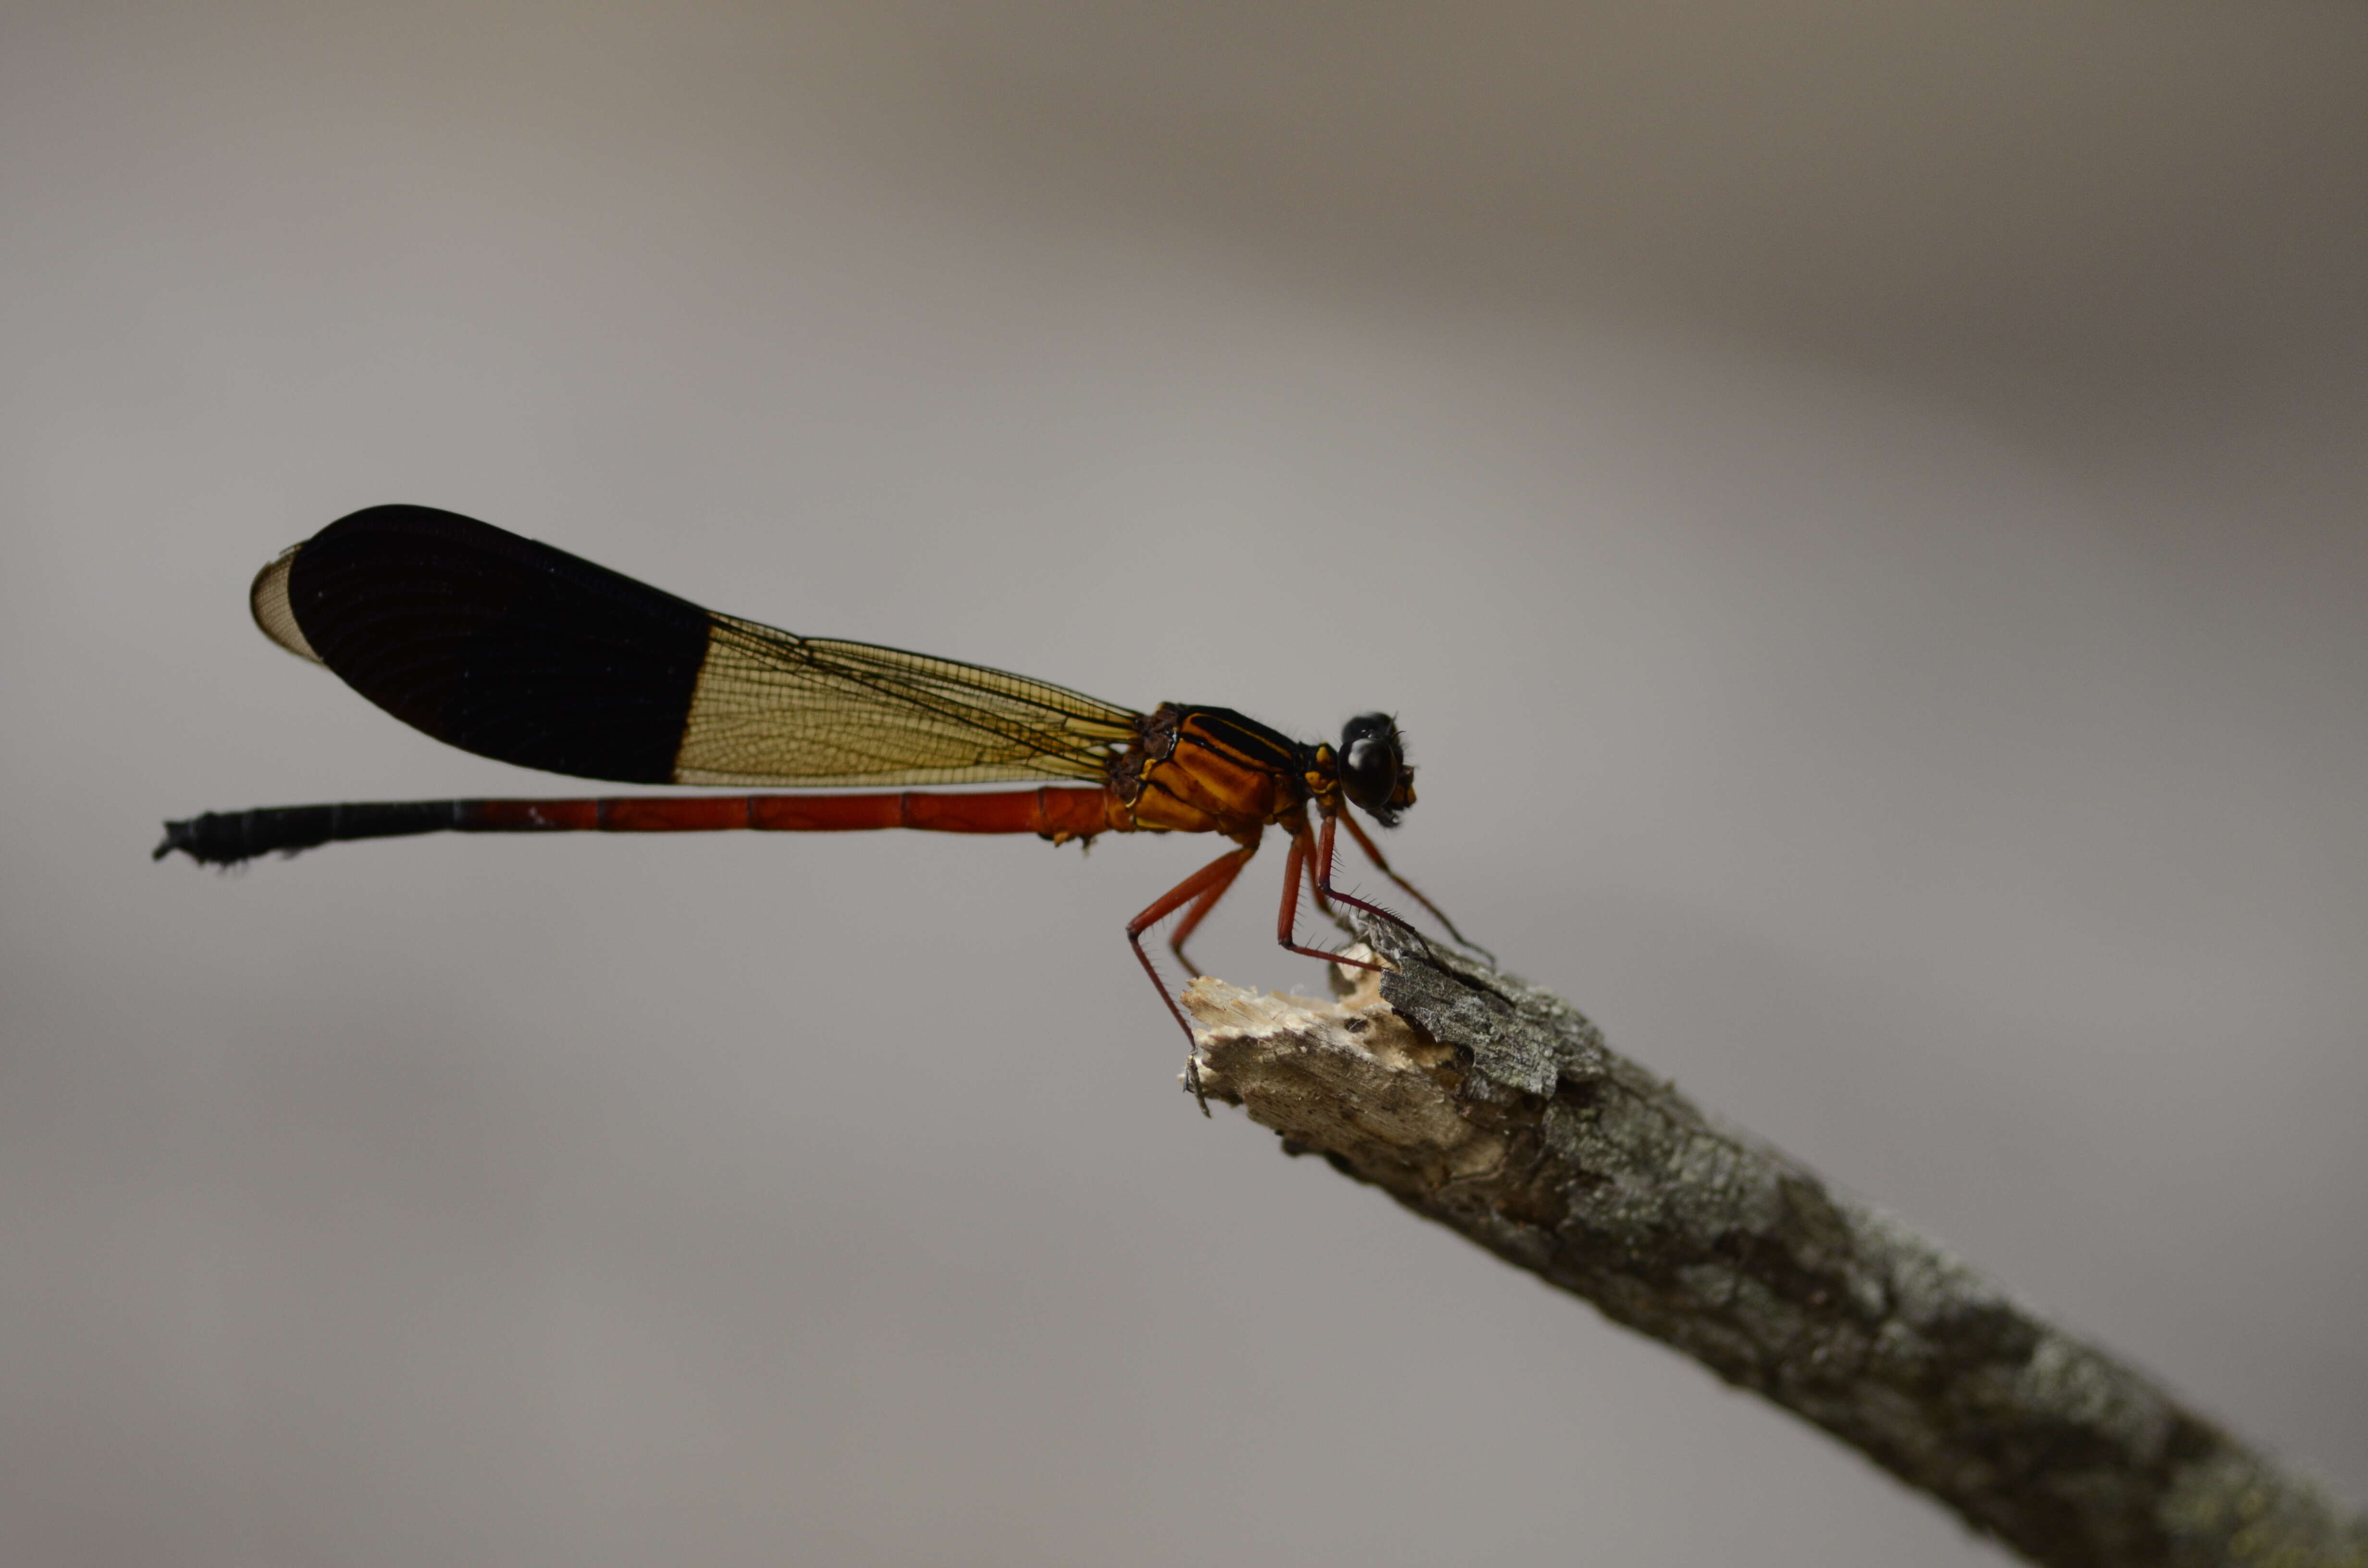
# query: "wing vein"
[[772, 706]]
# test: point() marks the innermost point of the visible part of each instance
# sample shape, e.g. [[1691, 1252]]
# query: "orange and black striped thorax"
[[1211, 770]]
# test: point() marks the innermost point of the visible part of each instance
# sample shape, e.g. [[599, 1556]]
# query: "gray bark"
[[1495, 1109]]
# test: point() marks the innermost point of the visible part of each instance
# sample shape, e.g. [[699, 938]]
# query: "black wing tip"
[[408, 516]]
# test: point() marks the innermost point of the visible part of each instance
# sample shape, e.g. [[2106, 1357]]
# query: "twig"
[[1495, 1108]]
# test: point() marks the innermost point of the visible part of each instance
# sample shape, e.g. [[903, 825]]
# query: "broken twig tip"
[[1496, 1110]]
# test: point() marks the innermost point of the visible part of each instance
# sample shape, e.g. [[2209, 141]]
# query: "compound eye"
[[1371, 769], [1371, 763]]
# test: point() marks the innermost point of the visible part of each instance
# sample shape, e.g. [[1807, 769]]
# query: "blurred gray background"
[[1863, 511]]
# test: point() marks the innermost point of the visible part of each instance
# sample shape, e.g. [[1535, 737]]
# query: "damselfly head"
[[1373, 771]]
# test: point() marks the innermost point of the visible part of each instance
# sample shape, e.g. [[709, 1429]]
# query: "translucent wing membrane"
[[514, 650], [773, 708]]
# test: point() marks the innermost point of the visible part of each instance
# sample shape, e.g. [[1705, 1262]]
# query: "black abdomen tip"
[[224, 839], [194, 838]]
